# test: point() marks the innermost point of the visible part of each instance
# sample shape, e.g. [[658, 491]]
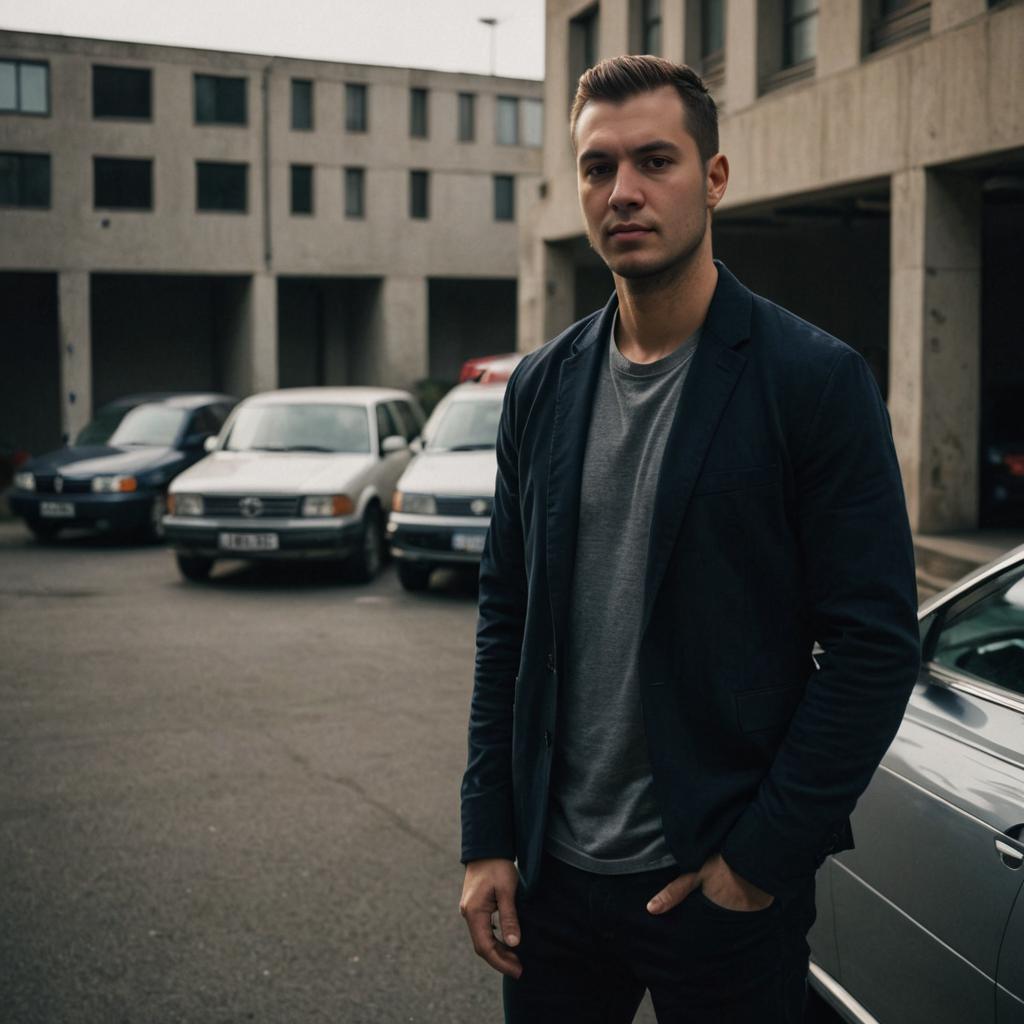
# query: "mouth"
[[629, 232]]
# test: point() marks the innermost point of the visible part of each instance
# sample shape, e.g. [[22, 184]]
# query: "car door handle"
[[1012, 857]]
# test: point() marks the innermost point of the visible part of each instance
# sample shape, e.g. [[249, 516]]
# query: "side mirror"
[[210, 443], [394, 443], [416, 445]]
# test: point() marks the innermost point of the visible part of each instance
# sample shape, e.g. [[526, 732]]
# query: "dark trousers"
[[590, 949]]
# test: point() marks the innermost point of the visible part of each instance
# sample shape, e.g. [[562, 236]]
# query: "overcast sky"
[[443, 34]]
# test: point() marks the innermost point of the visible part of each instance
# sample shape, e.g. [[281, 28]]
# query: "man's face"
[[644, 191]]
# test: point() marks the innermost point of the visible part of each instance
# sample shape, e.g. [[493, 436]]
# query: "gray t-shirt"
[[603, 814]]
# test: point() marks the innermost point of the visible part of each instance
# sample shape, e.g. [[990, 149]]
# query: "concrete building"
[[178, 218], [877, 189]]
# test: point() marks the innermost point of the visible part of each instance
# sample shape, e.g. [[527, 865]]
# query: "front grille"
[[462, 507], [274, 506], [46, 483]]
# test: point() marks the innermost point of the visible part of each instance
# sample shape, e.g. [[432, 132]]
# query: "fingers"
[[496, 953], [673, 894], [508, 919]]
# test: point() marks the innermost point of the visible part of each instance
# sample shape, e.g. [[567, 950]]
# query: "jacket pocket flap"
[[767, 708]]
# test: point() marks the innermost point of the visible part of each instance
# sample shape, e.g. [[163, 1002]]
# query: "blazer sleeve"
[[488, 826], [858, 562]]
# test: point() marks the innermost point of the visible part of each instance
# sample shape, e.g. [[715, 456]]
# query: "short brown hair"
[[618, 78]]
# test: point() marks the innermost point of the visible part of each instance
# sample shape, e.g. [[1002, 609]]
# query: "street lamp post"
[[492, 24]]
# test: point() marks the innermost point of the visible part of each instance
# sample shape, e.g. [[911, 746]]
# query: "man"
[[694, 486]]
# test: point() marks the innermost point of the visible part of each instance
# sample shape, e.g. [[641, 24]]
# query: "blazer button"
[[551, 662]]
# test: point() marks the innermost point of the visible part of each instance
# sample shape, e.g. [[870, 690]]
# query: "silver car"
[[296, 473], [442, 504], [923, 923]]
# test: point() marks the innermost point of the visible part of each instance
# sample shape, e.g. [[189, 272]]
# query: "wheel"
[[193, 568], [41, 530], [366, 562], [412, 576], [153, 530]]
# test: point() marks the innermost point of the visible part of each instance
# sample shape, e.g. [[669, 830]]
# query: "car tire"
[[153, 531], [366, 563], [413, 577], [194, 568], [42, 531]]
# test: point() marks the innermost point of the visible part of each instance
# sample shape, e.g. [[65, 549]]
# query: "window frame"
[[418, 174], [296, 171], [789, 22], [362, 90], [650, 24], [309, 83], [885, 29], [358, 173], [465, 101], [583, 39], [419, 109], [498, 102], [148, 160], [18, 62], [217, 122], [244, 210], [130, 69], [18, 155], [499, 180]]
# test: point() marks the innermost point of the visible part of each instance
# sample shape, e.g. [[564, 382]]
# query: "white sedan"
[[442, 504], [296, 473]]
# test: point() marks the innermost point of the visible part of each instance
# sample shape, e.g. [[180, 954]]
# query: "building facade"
[[175, 218], [877, 189]]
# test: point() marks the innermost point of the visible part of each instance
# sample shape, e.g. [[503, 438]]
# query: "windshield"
[[102, 425], [467, 425], [149, 425], [300, 428]]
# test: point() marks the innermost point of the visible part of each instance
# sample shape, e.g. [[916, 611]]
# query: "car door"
[[921, 904], [1010, 978], [391, 465]]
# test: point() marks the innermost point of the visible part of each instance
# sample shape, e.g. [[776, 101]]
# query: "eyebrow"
[[658, 145]]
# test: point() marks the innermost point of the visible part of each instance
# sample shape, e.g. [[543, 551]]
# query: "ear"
[[717, 177]]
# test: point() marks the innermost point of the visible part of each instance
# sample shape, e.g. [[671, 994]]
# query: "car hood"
[[273, 473], [469, 473], [99, 459]]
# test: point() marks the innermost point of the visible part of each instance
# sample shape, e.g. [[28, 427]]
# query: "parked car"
[[296, 473], [115, 476], [489, 369], [923, 923], [442, 504]]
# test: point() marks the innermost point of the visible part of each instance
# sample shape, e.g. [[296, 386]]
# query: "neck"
[[658, 313]]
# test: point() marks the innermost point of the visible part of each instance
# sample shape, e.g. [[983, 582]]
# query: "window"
[[650, 26], [302, 105], [418, 113], [222, 186], [504, 197], [467, 117], [24, 179], [356, 108], [583, 31], [355, 197], [982, 633], [419, 194], [712, 37], [121, 92], [24, 87], [799, 32], [519, 122], [892, 21], [220, 100], [508, 121], [385, 425], [405, 416], [120, 184], [302, 188]]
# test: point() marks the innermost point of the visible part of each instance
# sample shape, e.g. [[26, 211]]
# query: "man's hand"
[[489, 886], [720, 885]]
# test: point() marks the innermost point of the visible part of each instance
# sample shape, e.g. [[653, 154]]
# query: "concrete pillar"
[[75, 331], [935, 345], [401, 354], [673, 20], [840, 36], [947, 14], [262, 331], [741, 54], [559, 288]]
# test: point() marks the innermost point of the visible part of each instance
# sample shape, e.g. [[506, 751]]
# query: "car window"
[[467, 424], [149, 424], [102, 425], [983, 632], [385, 424], [204, 421], [301, 427], [408, 423]]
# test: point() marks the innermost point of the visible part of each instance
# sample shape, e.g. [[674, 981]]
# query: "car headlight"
[[417, 504], [114, 484], [327, 505], [185, 504], [25, 481]]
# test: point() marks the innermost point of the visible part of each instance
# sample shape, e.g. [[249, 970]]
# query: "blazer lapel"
[[716, 368], [577, 381]]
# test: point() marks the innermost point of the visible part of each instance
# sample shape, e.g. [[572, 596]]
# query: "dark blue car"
[[115, 476]]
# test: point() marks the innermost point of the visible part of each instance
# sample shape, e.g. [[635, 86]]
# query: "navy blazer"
[[779, 521]]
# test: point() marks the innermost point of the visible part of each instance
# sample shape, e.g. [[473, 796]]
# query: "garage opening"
[[30, 357], [825, 258]]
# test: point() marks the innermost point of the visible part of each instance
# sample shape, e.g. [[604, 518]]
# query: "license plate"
[[57, 510], [248, 541], [471, 542]]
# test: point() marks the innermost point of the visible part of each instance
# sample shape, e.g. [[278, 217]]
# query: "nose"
[[627, 192]]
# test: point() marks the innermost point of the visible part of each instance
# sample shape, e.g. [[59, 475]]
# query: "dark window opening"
[[418, 113], [120, 184], [582, 46], [25, 179], [419, 195], [122, 92], [302, 105], [799, 32], [24, 87], [355, 199], [220, 100], [356, 108], [302, 188], [467, 117], [222, 186], [504, 197]]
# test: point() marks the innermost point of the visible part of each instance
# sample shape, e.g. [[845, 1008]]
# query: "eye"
[[596, 170], [658, 163]]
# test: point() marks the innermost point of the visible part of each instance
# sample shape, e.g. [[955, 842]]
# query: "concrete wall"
[[469, 318]]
